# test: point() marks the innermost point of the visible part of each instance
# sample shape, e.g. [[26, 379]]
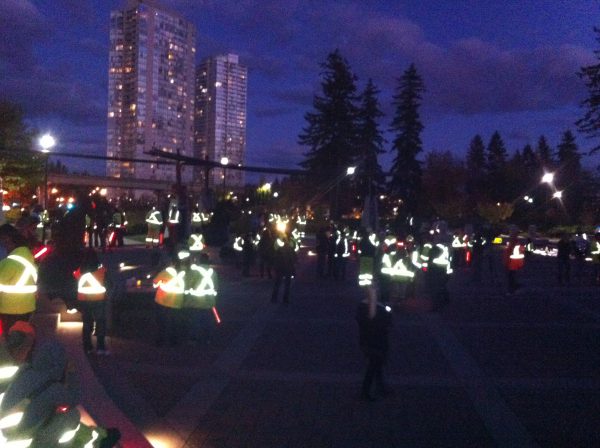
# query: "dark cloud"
[[22, 26], [45, 94]]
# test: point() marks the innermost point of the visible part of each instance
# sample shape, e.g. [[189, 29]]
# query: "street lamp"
[[46, 142], [548, 178], [557, 195], [350, 170]]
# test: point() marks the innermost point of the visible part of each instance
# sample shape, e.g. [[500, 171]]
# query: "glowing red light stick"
[[215, 312], [40, 252]]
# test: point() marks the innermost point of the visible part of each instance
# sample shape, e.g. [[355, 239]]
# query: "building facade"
[[220, 118], [150, 89]]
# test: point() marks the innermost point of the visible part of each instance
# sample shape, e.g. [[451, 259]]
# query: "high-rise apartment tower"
[[150, 88], [220, 123]]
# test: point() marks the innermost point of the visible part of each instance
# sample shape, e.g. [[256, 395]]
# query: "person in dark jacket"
[[265, 252], [374, 322], [284, 261], [563, 258]]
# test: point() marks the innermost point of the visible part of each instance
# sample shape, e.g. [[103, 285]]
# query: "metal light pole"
[[46, 142]]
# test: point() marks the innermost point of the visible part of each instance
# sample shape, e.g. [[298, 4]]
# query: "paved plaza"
[[487, 370]]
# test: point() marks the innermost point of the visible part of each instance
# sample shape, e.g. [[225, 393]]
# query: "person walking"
[[374, 322], [18, 278], [265, 252], [170, 290], [563, 258], [514, 260], [91, 294], [285, 267]]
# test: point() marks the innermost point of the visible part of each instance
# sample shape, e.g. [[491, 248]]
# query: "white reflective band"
[[88, 284], [90, 444], [148, 240], [237, 244], [68, 435], [415, 259], [373, 240], [174, 218], [20, 287], [280, 243], [11, 420], [24, 443], [444, 258], [389, 241], [196, 217], [206, 286], [365, 279], [457, 243], [183, 254], [516, 253], [597, 251], [176, 284], [397, 270], [8, 372]]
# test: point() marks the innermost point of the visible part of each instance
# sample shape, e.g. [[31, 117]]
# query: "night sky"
[[487, 65]]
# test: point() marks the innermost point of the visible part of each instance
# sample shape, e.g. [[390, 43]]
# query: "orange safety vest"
[[170, 288], [90, 286]]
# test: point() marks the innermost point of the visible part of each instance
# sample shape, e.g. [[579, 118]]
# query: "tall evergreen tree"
[[570, 176], [369, 177], [544, 156], [476, 172], [407, 126], [529, 158], [496, 167], [568, 155], [330, 132], [589, 124]]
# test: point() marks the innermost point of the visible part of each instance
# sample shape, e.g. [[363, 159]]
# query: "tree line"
[[343, 129]]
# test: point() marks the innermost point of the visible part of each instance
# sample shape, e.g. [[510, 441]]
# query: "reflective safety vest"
[[516, 259], [238, 244], [203, 291], [195, 242], [365, 271], [341, 239], [90, 287], [595, 252], [173, 214], [443, 259], [397, 271], [170, 288], [424, 256], [154, 218], [18, 282], [196, 218], [457, 243]]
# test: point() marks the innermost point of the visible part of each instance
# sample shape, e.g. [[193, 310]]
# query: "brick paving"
[[488, 370]]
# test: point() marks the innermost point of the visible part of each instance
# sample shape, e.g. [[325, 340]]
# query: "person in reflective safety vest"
[[514, 260], [170, 289], [39, 407], [18, 278], [91, 293], [200, 299], [155, 222]]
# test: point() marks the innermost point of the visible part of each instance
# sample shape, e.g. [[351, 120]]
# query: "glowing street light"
[[47, 142], [350, 170], [557, 195], [224, 161], [548, 178]]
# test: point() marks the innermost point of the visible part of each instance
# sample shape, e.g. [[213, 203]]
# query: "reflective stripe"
[[90, 443], [175, 285], [237, 244], [197, 244], [20, 287], [7, 372], [444, 258], [373, 240], [397, 270], [88, 284], [68, 435], [206, 286], [155, 218], [365, 279], [196, 217], [516, 253]]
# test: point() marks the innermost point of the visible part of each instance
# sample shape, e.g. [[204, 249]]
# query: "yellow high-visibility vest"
[[170, 287], [18, 282]]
